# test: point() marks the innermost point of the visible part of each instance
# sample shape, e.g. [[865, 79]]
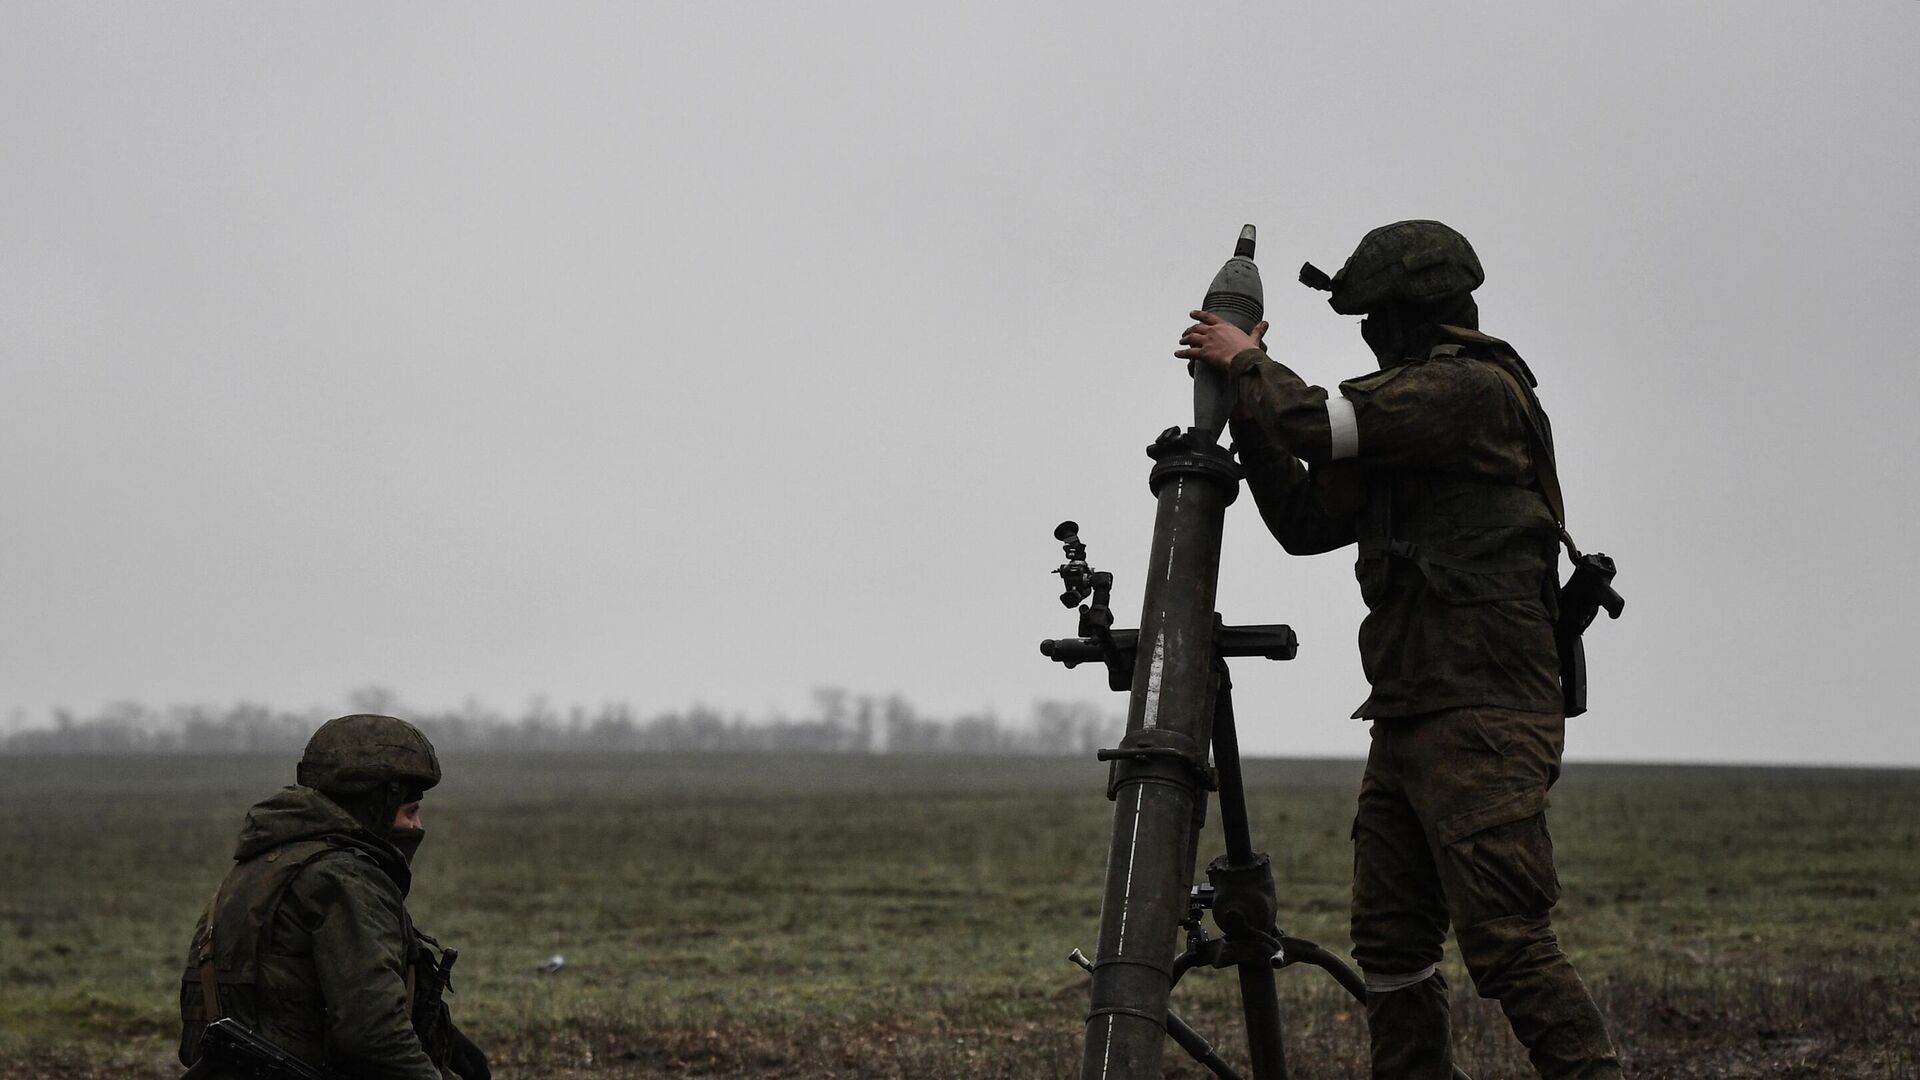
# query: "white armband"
[[1342, 427]]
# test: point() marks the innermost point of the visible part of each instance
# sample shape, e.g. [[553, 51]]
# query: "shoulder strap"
[[209, 984], [1544, 472], [413, 935]]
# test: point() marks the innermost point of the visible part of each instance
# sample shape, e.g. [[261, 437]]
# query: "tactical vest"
[[1469, 541], [224, 971]]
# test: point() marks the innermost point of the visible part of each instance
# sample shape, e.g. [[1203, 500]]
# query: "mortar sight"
[[1074, 573]]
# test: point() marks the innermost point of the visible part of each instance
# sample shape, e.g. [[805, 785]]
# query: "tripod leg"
[[1181, 1032], [1258, 996], [1198, 1048]]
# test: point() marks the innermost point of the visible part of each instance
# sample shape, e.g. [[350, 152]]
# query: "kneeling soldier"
[[307, 945]]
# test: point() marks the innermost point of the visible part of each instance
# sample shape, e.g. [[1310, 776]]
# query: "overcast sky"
[[664, 353]]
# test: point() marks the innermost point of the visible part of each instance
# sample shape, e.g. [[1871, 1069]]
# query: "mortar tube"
[[1150, 862]]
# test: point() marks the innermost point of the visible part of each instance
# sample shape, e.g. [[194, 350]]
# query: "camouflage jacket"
[[311, 943], [1429, 467]]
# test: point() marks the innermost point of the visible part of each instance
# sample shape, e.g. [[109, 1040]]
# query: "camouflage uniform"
[[1428, 466], [308, 942]]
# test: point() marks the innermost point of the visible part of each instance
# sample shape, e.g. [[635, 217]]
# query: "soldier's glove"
[[467, 1060]]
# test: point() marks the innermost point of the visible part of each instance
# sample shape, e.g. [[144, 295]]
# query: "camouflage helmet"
[[362, 752], [1407, 262]]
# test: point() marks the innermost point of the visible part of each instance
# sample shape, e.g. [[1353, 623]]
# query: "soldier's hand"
[[1215, 342]]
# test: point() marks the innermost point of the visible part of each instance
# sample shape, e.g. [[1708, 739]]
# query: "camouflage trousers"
[[1452, 830]]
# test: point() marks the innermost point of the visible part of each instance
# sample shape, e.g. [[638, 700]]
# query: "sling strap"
[[209, 985], [1541, 433]]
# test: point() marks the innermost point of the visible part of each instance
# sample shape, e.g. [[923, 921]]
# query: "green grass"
[[851, 916]]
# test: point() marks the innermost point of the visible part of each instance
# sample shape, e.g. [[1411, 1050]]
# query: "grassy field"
[[773, 916]]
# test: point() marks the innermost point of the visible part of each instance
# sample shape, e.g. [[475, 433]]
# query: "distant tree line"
[[840, 722]]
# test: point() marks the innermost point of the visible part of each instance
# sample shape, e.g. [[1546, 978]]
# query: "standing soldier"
[[307, 943], [1440, 468]]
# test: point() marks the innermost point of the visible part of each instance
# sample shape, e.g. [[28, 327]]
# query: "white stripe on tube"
[[1343, 427]]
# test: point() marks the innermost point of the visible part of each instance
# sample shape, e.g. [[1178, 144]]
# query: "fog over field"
[[710, 353]]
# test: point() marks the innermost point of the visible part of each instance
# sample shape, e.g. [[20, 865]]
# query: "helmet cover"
[[1407, 262], [363, 752]]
